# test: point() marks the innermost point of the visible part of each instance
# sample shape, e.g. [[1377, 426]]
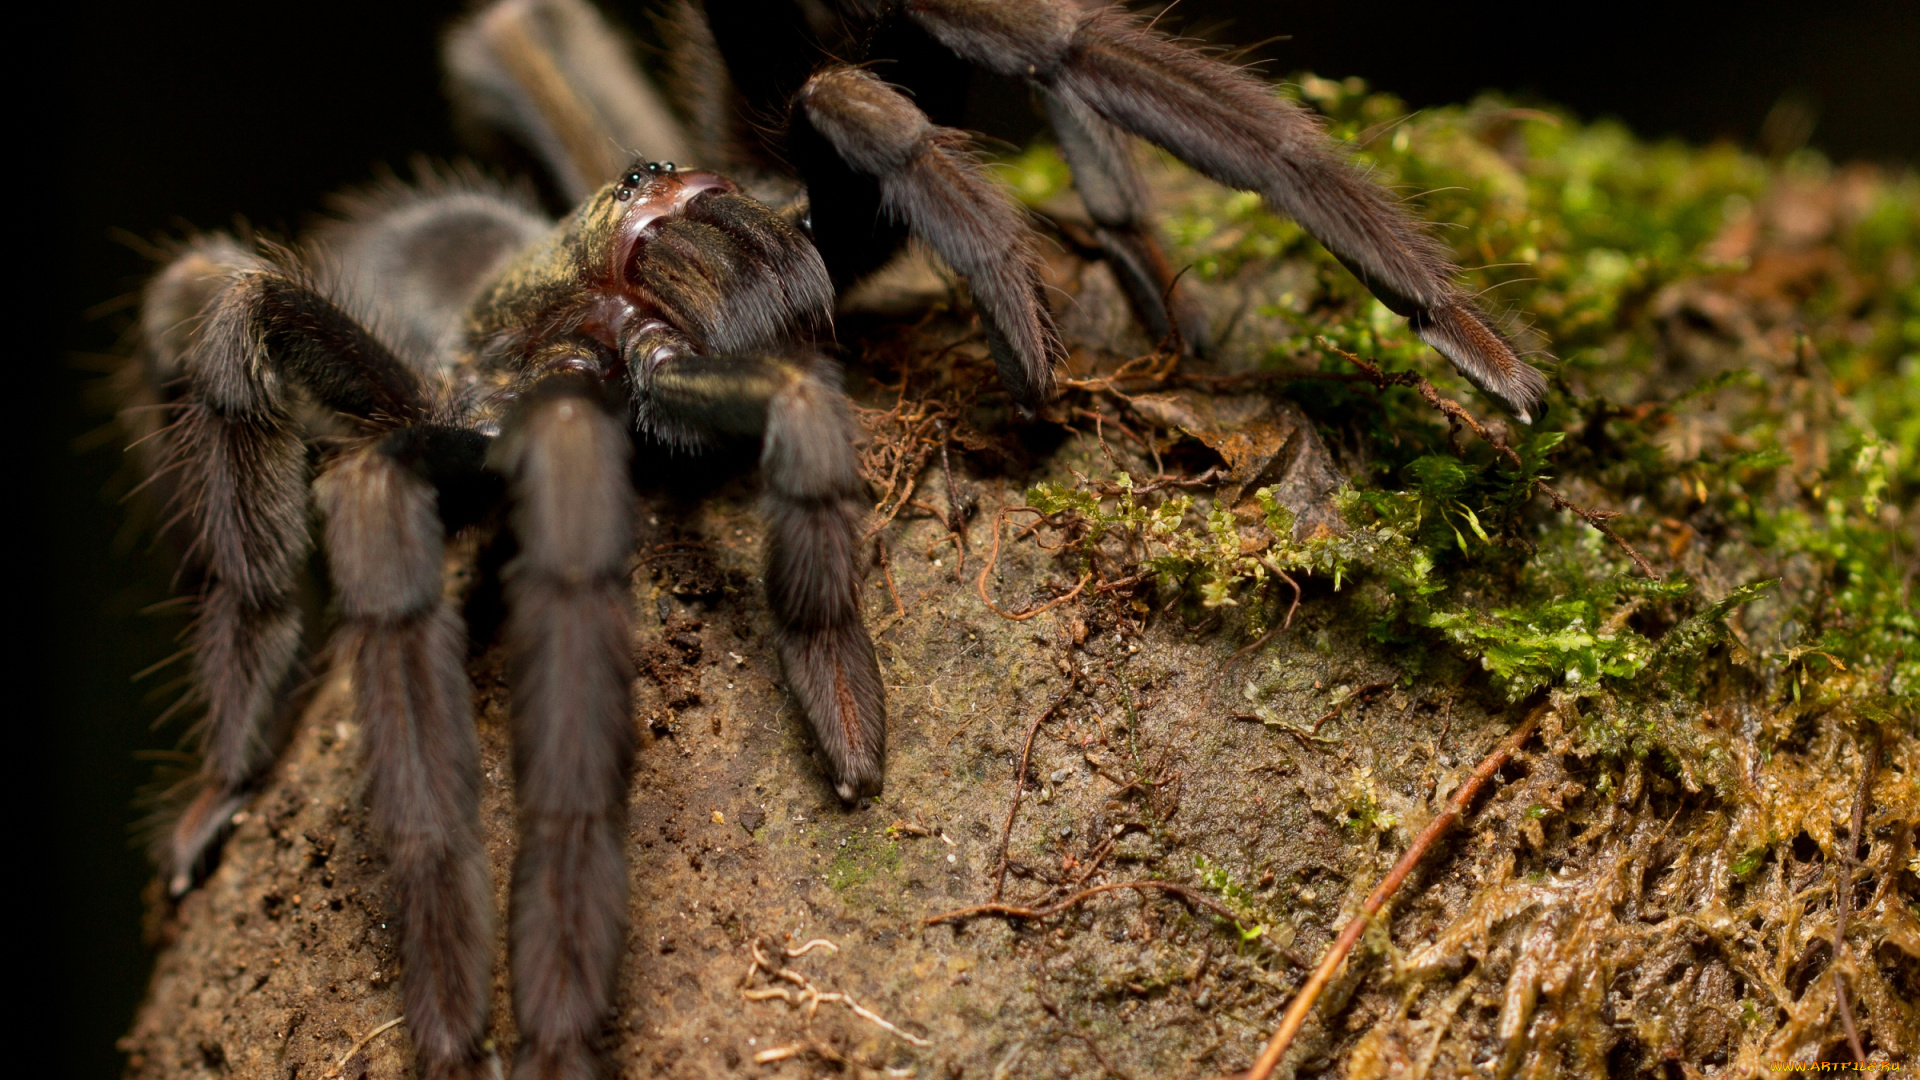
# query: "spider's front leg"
[[1236, 130], [814, 506], [240, 335], [565, 459], [853, 133]]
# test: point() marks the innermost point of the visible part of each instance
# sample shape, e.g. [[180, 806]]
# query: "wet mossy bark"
[[1650, 887]]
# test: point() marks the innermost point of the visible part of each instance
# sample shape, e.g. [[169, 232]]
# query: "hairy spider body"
[[445, 349], [668, 303]]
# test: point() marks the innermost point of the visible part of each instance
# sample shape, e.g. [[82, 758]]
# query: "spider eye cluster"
[[637, 174]]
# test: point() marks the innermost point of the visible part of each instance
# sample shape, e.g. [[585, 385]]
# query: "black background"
[[145, 122]]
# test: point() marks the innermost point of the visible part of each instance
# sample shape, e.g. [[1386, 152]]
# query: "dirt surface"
[[282, 961]]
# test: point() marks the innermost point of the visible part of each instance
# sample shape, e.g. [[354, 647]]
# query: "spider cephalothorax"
[[658, 252], [444, 356]]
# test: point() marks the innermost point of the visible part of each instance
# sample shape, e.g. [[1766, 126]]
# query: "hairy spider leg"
[[1238, 131], [238, 464], [868, 162], [258, 360], [405, 644], [556, 77], [930, 182], [263, 336], [1116, 199], [1110, 187], [1104, 174], [814, 507], [564, 455]]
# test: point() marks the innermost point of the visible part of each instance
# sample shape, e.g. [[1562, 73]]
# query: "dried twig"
[[1337, 953], [900, 444], [661, 551], [1283, 624], [885, 559], [1301, 735], [1292, 584], [1161, 378], [956, 519], [1206, 479], [779, 1053], [1457, 413]]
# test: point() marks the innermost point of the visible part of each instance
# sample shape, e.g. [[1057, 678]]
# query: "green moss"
[[1362, 813], [1252, 919], [861, 858], [1773, 482]]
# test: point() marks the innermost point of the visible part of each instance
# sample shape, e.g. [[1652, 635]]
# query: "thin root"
[[1843, 891], [340, 1067], [812, 997], [1016, 911], [1020, 787], [993, 557]]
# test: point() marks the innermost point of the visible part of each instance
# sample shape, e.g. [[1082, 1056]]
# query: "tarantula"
[[445, 349]]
